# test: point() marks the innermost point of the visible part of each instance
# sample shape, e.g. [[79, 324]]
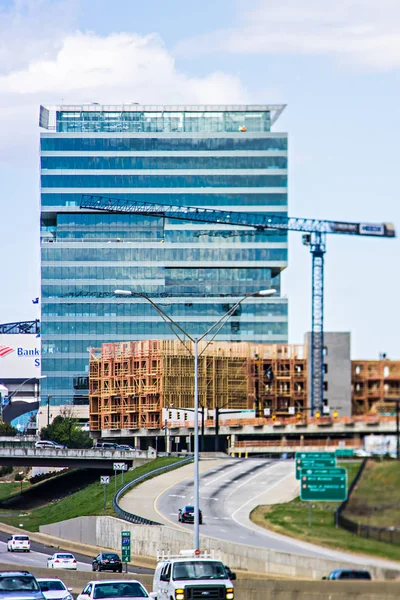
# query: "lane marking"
[[176, 496], [163, 517], [251, 478], [240, 466], [257, 495]]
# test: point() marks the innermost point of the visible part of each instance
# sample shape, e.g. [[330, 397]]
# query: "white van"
[[18, 543], [191, 576]]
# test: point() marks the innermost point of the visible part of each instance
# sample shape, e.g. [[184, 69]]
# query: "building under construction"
[[131, 382], [376, 386]]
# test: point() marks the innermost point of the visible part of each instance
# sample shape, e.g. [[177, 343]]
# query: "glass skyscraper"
[[216, 156]]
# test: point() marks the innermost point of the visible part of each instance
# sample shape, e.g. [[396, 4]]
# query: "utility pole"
[[48, 410]]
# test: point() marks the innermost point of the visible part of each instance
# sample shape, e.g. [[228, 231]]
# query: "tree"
[[66, 431], [7, 429]]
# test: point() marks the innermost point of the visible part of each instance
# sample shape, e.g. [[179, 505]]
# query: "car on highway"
[[187, 576], [17, 585], [349, 574], [62, 560], [107, 561], [54, 589], [126, 448], [113, 588], [186, 515], [18, 543], [49, 444]]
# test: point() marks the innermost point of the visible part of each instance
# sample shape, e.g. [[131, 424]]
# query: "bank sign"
[[19, 356]]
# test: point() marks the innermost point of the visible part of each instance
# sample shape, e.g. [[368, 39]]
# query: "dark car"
[[19, 584], [186, 515], [349, 574], [107, 561], [106, 446]]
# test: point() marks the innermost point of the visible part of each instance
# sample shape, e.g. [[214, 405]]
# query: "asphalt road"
[[229, 492], [226, 491], [39, 553]]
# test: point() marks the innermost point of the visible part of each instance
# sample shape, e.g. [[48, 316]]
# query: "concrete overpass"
[[88, 458]]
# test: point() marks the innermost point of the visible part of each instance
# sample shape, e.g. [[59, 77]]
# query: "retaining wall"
[[146, 540]]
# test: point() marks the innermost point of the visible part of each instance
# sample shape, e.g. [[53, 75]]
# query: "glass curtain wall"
[[228, 159]]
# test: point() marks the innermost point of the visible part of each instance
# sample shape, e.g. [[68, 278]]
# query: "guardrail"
[[127, 516]]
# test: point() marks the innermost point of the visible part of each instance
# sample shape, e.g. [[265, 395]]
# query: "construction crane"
[[314, 237]]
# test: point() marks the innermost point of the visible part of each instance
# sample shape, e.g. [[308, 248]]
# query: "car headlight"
[[68, 597], [230, 594], [179, 594]]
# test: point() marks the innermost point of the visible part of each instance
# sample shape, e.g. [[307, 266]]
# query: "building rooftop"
[[50, 114]]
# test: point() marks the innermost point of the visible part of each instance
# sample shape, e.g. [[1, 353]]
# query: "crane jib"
[[260, 222]]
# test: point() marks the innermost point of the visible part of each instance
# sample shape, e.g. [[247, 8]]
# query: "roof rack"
[[191, 553]]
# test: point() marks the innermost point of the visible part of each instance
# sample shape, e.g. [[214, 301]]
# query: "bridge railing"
[[132, 518]]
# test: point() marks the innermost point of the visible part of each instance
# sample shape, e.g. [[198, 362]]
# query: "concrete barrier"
[[246, 588], [146, 540]]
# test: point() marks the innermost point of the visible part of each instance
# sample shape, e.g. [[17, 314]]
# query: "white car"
[[54, 589], [49, 444], [113, 588], [62, 560], [18, 543]]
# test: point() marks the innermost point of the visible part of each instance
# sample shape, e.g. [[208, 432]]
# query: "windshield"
[[18, 583], [110, 557], [52, 585], [65, 556], [189, 508], [354, 575], [199, 570], [21, 538], [128, 589]]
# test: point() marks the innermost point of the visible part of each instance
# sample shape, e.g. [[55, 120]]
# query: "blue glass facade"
[[224, 157]]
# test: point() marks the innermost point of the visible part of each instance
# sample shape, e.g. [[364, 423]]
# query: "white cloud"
[[117, 68], [364, 33]]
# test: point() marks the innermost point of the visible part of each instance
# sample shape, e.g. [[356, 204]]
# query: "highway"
[[229, 492], [39, 553]]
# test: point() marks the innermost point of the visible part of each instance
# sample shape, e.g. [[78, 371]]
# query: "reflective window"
[[164, 162], [149, 181], [182, 199], [242, 142]]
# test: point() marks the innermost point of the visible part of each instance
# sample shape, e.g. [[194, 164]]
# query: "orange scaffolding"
[[131, 382]]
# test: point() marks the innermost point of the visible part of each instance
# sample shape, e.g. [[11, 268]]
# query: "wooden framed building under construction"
[[376, 386], [131, 382]]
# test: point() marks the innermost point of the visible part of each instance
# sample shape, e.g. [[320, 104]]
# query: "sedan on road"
[[107, 561], [186, 515], [111, 588], [54, 589], [62, 560]]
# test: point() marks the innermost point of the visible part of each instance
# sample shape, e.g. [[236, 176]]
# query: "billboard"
[[19, 356]]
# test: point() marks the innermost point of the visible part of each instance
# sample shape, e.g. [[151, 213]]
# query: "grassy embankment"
[[379, 485], [88, 501]]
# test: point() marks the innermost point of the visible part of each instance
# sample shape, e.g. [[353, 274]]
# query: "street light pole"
[[195, 341], [196, 447]]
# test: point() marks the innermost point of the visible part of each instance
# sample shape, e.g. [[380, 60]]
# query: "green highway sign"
[[314, 460], [343, 452], [323, 485], [126, 546]]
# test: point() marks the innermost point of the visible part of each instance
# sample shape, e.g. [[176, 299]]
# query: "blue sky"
[[336, 66]]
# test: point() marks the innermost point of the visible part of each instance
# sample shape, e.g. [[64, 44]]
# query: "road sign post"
[[126, 547], [323, 485], [119, 466], [314, 460], [105, 480]]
